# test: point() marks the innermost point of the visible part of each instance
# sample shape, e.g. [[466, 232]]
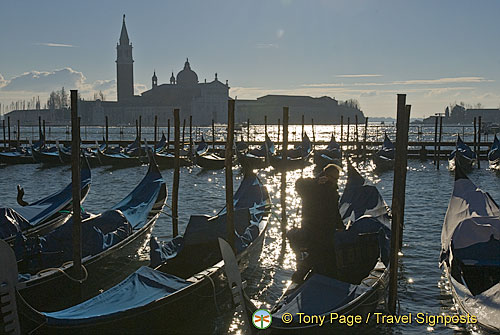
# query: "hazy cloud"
[[280, 33], [57, 45], [45, 81], [358, 75], [139, 88], [266, 46], [3, 82], [443, 81]]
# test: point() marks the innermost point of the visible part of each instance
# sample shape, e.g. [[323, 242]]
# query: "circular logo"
[[261, 319]]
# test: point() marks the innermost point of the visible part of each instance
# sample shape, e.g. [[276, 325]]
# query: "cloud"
[[266, 46], [280, 33], [45, 81], [358, 75], [3, 82], [443, 81], [57, 45], [139, 88]]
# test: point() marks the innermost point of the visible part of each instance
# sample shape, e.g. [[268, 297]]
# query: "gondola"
[[19, 156], [470, 252], [332, 154], [166, 160], [161, 145], [362, 260], [297, 158], [255, 158], [180, 291], [117, 160], [47, 156], [384, 158], [462, 152], [111, 245], [202, 147], [210, 161], [43, 215], [494, 155]]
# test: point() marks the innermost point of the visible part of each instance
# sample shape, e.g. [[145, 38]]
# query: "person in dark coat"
[[320, 220]]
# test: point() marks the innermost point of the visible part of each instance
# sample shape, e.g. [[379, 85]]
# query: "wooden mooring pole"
[[136, 128], [284, 155], [183, 132], [4, 139], [107, 131], [398, 196], [303, 125], [439, 141], [479, 143], [213, 136], [435, 139], [76, 192], [140, 128], [44, 133], [475, 136], [279, 128], [229, 175], [265, 124], [348, 128], [341, 131], [364, 136], [168, 134], [314, 133], [18, 133], [175, 185], [190, 134], [248, 130], [356, 133], [40, 134], [8, 130], [156, 130]]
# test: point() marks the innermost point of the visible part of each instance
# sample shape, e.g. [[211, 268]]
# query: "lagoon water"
[[422, 288]]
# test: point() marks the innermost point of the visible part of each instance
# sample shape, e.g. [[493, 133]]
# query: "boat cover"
[[263, 149], [360, 199], [471, 234], [484, 306], [161, 143], [494, 153], [472, 217], [40, 210], [251, 202], [138, 290], [318, 295], [463, 149], [387, 150], [98, 232]]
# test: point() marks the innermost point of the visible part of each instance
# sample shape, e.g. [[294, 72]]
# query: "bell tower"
[[124, 66]]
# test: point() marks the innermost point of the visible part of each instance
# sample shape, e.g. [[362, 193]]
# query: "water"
[[421, 285]]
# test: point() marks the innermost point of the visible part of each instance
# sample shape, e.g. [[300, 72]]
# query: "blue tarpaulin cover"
[[139, 289], [317, 296]]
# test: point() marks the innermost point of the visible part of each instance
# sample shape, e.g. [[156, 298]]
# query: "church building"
[[204, 101]]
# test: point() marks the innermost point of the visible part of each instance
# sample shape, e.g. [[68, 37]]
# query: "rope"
[[167, 214], [67, 275], [215, 293]]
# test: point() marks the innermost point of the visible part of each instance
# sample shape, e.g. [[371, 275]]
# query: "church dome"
[[187, 76]]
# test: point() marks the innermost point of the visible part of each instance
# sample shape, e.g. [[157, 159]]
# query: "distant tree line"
[[351, 103], [57, 100]]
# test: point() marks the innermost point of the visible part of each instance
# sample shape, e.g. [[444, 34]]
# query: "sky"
[[437, 52]]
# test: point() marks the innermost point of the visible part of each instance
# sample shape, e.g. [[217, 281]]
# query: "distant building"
[[205, 101], [324, 110], [461, 115]]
